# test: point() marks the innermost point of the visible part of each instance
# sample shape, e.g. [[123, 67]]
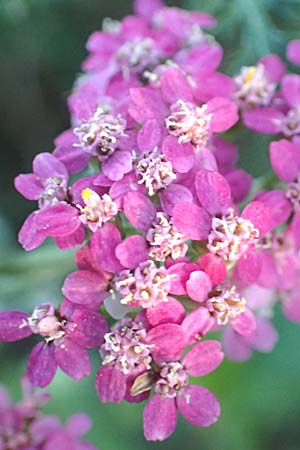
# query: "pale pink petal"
[[278, 205], [146, 8], [213, 191], [291, 306], [197, 324], [139, 210], [78, 424], [245, 323], [132, 251], [41, 366], [72, 359], [198, 286], [235, 346], [203, 358], [265, 337], [160, 417], [199, 406], [191, 220], [182, 156], [45, 165], [29, 186], [103, 245], [150, 135], [110, 384]]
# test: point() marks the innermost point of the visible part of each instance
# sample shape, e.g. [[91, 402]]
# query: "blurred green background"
[[41, 48]]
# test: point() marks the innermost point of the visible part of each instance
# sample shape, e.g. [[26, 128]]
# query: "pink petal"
[[132, 251], [248, 268], [71, 240], [58, 220], [139, 210], [147, 9], [117, 165], [150, 135], [85, 288], [203, 358], [72, 359], [213, 266], [279, 206], [285, 159], [167, 340], [245, 323], [45, 165], [224, 114], [290, 86], [174, 86], [260, 215], [293, 51], [199, 406], [103, 245], [87, 328], [181, 155], [203, 59], [291, 306], [263, 120], [197, 324], [29, 186], [160, 417], [180, 273], [173, 194], [110, 384], [213, 85], [274, 67], [198, 286], [13, 326], [78, 424], [30, 237], [235, 345], [191, 220], [265, 337], [148, 104], [171, 311], [240, 183], [213, 191], [41, 366], [73, 158]]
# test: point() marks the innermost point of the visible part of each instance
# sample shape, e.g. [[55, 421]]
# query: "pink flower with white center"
[[146, 286], [100, 135], [125, 347], [232, 236], [154, 171], [253, 87], [138, 55], [173, 392], [165, 240], [67, 333], [97, 210], [225, 304], [189, 122]]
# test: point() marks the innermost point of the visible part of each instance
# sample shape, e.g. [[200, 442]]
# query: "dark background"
[[41, 48]]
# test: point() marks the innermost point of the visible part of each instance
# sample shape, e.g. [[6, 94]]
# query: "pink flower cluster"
[[166, 253], [24, 427]]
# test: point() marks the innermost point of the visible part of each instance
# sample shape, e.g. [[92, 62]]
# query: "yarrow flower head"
[[97, 210], [253, 87], [225, 304]]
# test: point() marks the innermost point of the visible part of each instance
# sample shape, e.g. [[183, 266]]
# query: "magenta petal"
[[78, 424], [150, 135], [182, 156], [248, 267], [110, 384], [103, 244], [240, 183], [274, 67], [173, 194], [72, 358], [148, 104], [203, 358], [13, 326], [29, 186], [117, 165], [45, 165], [197, 324], [74, 158], [132, 251], [260, 215], [29, 235], [139, 210], [293, 51], [263, 120], [285, 159], [198, 286], [174, 86], [213, 266], [213, 85], [71, 240], [245, 323], [199, 406], [180, 273], [291, 306], [58, 220], [224, 114], [171, 311], [160, 417], [85, 288], [87, 328], [168, 342], [191, 220], [41, 366], [290, 86], [213, 191]]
